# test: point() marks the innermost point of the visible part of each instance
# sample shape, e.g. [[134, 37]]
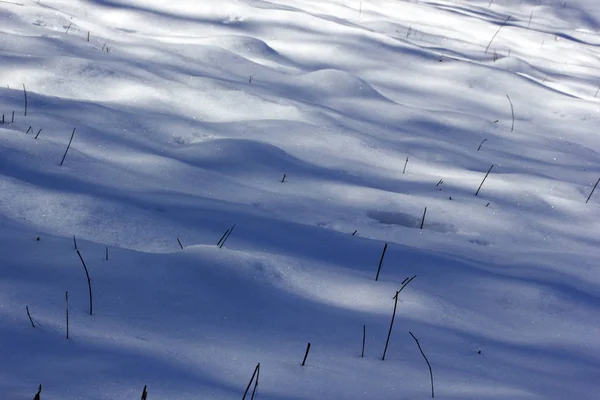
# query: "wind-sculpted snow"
[[319, 131]]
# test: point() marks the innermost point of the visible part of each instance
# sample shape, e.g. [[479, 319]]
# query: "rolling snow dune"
[[321, 130]]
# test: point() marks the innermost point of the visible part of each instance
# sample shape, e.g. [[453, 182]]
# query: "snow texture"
[[189, 113]]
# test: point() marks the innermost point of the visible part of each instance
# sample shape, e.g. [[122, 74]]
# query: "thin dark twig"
[[362, 354], [512, 110], [251, 379], [37, 395], [484, 178], [256, 382], [67, 306], [68, 146], [25, 93], [223, 237], [405, 164], [227, 236], [387, 341], [306, 354], [427, 361], [29, 315], [180, 245], [38, 134], [481, 144], [380, 262], [406, 282], [495, 34], [88, 279], [592, 192], [423, 219]]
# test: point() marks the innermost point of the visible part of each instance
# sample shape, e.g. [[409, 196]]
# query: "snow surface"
[[186, 126]]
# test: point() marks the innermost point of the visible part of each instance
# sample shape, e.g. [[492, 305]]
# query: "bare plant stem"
[[29, 315], [306, 355], [37, 395], [404, 283], [25, 94], [38, 134], [106, 253], [495, 34], [405, 164], [423, 219], [223, 237], [530, 17], [427, 361], [387, 341], [484, 178], [251, 379], [227, 236], [145, 392], [67, 305], [380, 262], [88, 279], [256, 382], [512, 110], [481, 144], [362, 354], [180, 245], [592, 192], [68, 146]]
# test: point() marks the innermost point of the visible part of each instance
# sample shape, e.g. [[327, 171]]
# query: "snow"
[[187, 125]]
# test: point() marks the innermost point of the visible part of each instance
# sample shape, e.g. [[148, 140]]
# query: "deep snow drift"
[[188, 114]]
